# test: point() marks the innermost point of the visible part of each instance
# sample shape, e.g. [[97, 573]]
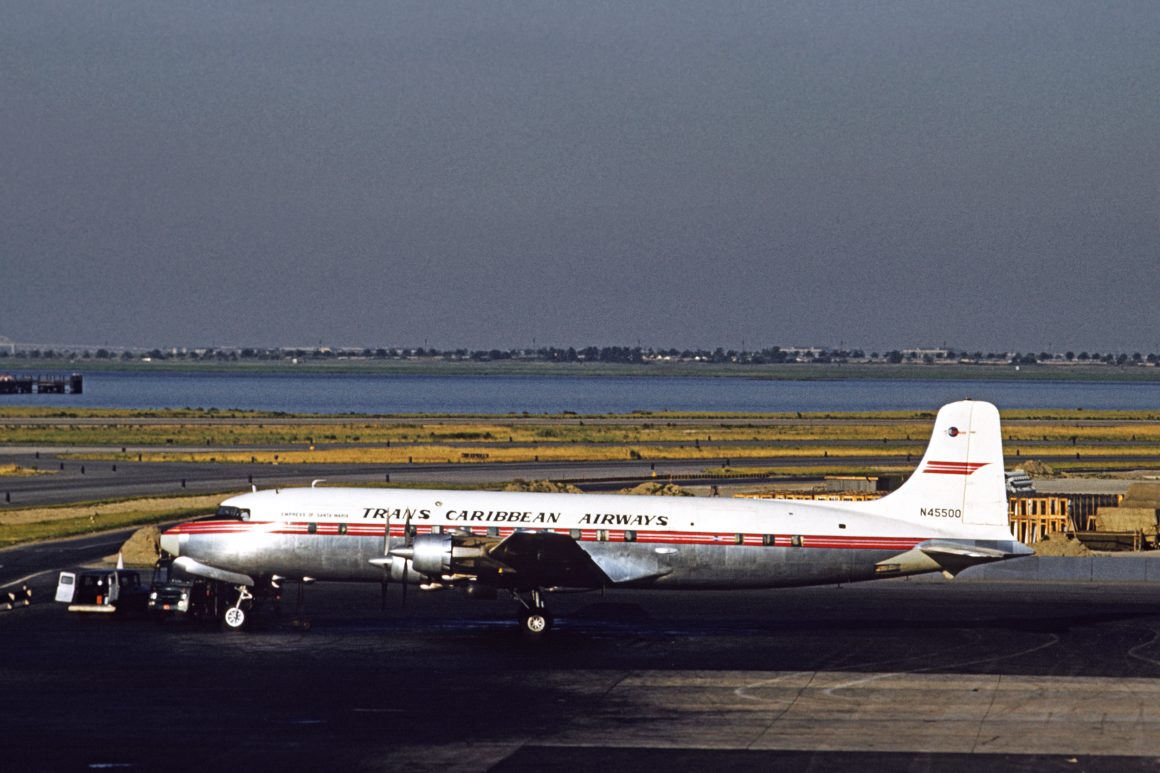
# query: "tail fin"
[[960, 477]]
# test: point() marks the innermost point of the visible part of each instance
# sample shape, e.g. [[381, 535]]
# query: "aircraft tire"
[[234, 619], [535, 621]]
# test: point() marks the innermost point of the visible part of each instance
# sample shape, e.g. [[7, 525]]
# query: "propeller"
[[405, 552], [387, 566], [408, 541]]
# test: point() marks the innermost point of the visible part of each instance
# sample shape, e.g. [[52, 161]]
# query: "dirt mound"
[[143, 548], [657, 490], [1059, 545], [1037, 469], [542, 486]]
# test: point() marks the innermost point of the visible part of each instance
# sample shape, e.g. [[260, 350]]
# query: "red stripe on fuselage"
[[836, 541]]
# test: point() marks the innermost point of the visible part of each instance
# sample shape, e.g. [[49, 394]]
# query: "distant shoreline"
[[771, 372]]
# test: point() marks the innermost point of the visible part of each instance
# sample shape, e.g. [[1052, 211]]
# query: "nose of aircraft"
[[171, 544]]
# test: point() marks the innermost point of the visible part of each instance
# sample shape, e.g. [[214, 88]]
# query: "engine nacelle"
[[438, 555], [432, 554]]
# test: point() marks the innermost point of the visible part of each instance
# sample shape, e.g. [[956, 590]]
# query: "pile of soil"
[[542, 486], [1037, 469], [657, 490], [1059, 545], [141, 549]]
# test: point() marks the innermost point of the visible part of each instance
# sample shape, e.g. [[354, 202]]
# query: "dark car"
[[172, 593]]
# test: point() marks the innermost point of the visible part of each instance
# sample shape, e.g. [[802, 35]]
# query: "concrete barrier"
[[1134, 567]]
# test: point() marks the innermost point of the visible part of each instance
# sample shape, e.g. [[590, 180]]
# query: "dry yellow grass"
[[97, 510], [1064, 432], [475, 454], [443, 454], [16, 471]]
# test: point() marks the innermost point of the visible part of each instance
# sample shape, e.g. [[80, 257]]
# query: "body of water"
[[366, 393]]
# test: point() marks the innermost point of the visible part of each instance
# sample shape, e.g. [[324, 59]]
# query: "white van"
[[101, 590]]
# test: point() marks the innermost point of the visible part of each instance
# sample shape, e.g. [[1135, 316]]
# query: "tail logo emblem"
[[953, 468], [953, 431]]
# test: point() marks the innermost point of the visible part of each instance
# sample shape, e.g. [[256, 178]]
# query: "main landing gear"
[[534, 617]]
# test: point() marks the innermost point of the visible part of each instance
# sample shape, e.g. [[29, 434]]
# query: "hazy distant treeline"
[[605, 354]]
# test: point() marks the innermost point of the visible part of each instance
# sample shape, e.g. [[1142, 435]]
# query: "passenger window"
[[630, 536], [575, 533], [342, 528], [311, 528], [796, 540]]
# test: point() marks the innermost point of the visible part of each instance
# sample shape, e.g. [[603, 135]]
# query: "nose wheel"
[[235, 617], [535, 619]]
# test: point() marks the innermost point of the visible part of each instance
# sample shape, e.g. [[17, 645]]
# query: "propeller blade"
[[387, 565], [408, 541], [406, 569]]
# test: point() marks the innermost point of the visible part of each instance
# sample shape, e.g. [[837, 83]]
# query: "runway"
[[921, 676], [75, 481]]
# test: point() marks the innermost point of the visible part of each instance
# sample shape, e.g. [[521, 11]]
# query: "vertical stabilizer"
[[960, 478]]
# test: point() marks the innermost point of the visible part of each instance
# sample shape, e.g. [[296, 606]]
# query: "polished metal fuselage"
[[336, 534]]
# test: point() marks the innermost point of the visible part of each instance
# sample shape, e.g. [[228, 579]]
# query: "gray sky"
[[484, 173]]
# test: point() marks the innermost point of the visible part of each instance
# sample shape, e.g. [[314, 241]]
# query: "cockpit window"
[[229, 513]]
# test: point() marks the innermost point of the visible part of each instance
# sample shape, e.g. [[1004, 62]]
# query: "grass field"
[[1091, 440], [31, 524], [215, 428], [1097, 437], [18, 471]]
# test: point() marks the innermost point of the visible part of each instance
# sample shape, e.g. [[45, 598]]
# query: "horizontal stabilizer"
[[946, 556], [198, 569], [968, 552]]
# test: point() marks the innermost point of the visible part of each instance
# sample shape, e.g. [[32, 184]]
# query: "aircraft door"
[[66, 586]]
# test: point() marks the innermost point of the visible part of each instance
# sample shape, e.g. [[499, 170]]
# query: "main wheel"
[[536, 621], [234, 618]]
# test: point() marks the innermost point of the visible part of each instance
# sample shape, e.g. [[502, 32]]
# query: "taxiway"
[[917, 675]]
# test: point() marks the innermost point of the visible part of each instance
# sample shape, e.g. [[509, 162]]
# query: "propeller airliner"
[[949, 515]]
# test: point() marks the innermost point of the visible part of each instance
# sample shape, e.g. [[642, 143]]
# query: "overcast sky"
[[479, 174]]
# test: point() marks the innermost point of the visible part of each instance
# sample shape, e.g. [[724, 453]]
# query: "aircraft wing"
[[548, 559]]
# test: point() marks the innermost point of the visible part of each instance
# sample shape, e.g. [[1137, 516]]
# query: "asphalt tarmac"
[[900, 674], [75, 481]]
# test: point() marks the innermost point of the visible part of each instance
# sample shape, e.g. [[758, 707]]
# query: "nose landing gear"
[[235, 617]]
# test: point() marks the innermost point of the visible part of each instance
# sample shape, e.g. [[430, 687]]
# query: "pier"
[[71, 384]]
